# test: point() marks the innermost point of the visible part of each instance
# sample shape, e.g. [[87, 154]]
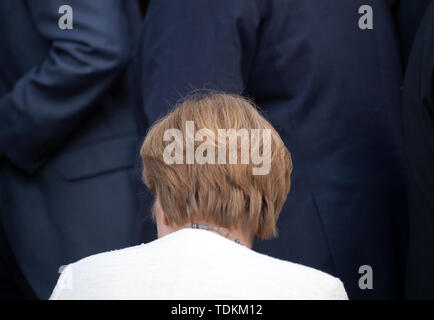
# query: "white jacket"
[[192, 264]]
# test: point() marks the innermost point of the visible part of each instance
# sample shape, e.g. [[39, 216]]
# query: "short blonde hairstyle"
[[228, 195]]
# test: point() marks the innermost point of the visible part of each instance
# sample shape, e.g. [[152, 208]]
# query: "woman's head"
[[214, 158]]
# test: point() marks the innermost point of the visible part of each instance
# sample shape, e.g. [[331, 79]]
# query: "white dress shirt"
[[192, 264]]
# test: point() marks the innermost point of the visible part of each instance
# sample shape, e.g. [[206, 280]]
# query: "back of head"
[[215, 158]]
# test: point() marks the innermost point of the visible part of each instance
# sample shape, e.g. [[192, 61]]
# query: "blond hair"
[[228, 195]]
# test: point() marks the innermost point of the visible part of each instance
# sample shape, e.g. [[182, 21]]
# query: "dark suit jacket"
[[333, 92], [68, 133], [418, 115]]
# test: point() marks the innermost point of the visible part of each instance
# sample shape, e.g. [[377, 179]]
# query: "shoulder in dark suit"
[[67, 132]]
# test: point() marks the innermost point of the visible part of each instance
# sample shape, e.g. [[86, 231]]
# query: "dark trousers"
[[13, 284]]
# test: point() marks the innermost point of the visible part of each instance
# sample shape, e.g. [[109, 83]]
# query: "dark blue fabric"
[[68, 132], [418, 113], [333, 92], [409, 16]]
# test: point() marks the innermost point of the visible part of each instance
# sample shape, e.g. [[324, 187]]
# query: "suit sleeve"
[[193, 45], [52, 99]]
